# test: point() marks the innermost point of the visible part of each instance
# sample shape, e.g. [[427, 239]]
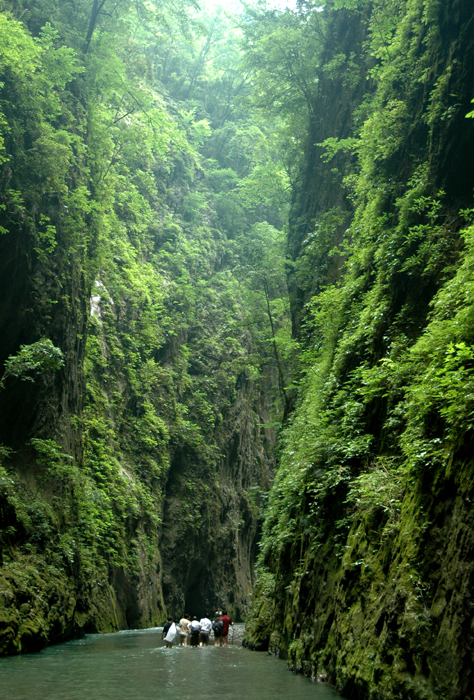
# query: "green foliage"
[[37, 358], [133, 167], [380, 488], [333, 146], [376, 451], [152, 156]]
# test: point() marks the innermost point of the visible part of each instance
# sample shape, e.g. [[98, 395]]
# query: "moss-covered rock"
[[367, 538]]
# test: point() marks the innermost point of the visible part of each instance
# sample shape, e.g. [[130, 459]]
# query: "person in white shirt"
[[183, 630], [206, 626], [194, 629]]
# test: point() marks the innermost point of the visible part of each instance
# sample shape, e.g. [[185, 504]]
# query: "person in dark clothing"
[[217, 627], [166, 628]]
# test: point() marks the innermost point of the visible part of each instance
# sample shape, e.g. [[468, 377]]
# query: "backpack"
[[218, 626]]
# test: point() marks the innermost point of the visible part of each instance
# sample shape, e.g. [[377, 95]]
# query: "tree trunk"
[[281, 380], [96, 9]]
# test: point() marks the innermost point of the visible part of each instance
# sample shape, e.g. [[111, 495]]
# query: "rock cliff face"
[[366, 568], [87, 473], [321, 208], [209, 545], [48, 592], [131, 476]]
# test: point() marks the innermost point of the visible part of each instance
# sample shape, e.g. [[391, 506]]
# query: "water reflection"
[[137, 666]]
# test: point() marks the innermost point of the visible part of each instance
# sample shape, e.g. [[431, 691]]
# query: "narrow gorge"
[[237, 331]]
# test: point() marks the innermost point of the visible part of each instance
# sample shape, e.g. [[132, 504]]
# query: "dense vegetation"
[[218, 230], [128, 212], [365, 570]]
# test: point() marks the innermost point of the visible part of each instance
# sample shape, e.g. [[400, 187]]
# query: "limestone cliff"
[[366, 565], [209, 544], [131, 475]]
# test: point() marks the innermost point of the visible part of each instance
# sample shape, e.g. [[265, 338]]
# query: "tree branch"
[[95, 12]]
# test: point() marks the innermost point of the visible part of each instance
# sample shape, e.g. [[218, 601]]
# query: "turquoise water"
[[135, 665]]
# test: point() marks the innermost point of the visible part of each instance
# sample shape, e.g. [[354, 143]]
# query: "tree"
[[35, 359], [261, 266]]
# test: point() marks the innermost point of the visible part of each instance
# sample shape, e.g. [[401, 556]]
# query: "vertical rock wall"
[[142, 459], [366, 572], [209, 544]]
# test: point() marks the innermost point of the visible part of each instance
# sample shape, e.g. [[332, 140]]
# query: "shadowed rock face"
[[202, 559], [209, 547]]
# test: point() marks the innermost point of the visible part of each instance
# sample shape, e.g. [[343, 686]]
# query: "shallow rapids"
[[135, 665]]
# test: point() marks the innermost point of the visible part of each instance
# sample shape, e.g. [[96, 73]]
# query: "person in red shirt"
[[225, 631]]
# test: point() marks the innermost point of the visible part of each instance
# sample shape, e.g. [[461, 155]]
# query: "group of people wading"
[[198, 631]]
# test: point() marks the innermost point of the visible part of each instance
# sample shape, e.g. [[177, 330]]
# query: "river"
[[135, 665]]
